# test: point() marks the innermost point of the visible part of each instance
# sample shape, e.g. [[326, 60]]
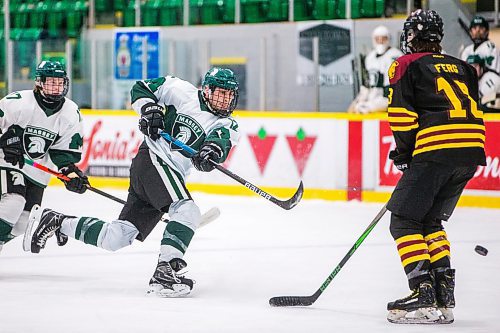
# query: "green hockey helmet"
[[53, 90], [479, 35], [222, 101]]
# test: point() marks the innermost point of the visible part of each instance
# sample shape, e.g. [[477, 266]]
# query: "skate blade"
[[419, 316], [448, 316], [180, 290], [35, 214]]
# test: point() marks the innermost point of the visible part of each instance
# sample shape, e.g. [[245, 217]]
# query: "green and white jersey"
[[485, 54], [51, 137], [187, 118]]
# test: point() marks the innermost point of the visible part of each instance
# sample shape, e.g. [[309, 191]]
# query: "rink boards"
[[338, 156]]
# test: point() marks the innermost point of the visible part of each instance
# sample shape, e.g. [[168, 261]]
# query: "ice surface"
[[254, 251]]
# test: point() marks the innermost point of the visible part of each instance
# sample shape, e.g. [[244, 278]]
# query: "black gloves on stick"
[[401, 160], [151, 121], [208, 151], [12, 147], [78, 181]]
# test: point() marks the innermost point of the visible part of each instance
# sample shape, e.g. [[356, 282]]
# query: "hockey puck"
[[481, 250]]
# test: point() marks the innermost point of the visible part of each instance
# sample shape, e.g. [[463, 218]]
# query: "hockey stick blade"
[[309, 300], [211, 215], [291, 301]]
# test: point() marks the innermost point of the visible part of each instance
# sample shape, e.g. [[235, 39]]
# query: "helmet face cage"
[[49, 88], [421, 26], [225, 80]]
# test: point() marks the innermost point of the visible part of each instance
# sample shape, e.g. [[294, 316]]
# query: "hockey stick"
[[309, 300], [285, 204], [66, 178], [207, 217]]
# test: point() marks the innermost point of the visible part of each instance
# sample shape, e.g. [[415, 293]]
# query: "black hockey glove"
[[401, 161], [12, 147], [78, 181], [208, 151], [151, 121]]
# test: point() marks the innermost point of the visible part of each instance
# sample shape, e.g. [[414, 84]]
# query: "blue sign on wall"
[[130, 61]]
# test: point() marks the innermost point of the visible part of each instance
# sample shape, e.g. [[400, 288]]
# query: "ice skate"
[[445, 294], [418, 308], [47, 222], [168, 281]]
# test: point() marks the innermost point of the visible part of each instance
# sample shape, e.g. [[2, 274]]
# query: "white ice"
[[254, 251]]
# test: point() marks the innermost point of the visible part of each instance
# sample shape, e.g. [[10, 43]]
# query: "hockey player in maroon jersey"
[[439, 134]]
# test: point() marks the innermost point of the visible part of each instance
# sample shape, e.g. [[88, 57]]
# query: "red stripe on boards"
[[355, 160]]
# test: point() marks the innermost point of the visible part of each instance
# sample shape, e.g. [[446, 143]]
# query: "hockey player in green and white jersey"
[[200, 119], [484, 57], [42, 125]]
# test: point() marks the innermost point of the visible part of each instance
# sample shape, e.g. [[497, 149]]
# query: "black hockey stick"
[[309, 300], [285, 204]]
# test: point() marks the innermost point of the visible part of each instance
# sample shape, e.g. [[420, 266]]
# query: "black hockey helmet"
[[479, 36], [421, 26], [51, 69]]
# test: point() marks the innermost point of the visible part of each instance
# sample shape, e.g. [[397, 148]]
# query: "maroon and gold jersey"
[[433, 110]]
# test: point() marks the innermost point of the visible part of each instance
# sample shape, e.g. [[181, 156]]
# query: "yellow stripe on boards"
[[449, 146], [439, 255], [408, 238], [413, 259], [411, 248], [436, 245]]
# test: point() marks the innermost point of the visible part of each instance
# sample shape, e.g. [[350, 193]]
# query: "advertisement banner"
[[486, 177], [136, 54]]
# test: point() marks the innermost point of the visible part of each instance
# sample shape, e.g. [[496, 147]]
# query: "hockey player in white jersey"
[[201, 120], [372, 96], [483, 55], [42, 125]]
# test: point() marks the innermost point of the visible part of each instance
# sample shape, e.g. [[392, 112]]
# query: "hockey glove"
[[151, 121], [12, 147], [208, 151], [78, 181], [401, 161]]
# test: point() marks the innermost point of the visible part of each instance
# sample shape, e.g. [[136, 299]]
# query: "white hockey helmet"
[[381, 39]]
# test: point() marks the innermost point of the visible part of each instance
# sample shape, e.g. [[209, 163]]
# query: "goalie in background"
[[372, 96], [43, 125], [483, 56]]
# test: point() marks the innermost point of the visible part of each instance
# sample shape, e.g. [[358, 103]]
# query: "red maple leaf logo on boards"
[[301, 147], [262, 145]]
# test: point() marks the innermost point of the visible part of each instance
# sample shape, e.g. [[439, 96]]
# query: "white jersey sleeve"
[[187, 118]]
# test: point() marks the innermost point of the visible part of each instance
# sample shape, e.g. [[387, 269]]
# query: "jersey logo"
[[37, 141], [17, 178], [187, 130], [392, 69]]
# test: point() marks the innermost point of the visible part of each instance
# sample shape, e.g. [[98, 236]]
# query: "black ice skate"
[[168, 281], [418, 308], [445, 293], [47, 222]]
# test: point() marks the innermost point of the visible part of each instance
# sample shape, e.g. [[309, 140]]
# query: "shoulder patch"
[[403, 63], [392, 69]]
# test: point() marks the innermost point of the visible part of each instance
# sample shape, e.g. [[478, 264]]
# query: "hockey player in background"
[[483, 56], [440, 135], [199, 118], [42, 125], [372, 96]]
